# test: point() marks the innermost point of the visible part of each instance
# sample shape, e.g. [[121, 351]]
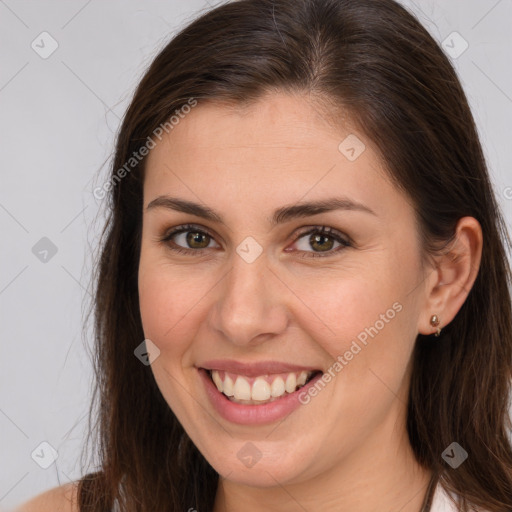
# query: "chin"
[[248, 465]]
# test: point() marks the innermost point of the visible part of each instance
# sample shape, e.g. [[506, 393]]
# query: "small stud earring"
[[434, 322]]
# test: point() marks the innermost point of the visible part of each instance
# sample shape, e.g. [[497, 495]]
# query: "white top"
[[441, 502]]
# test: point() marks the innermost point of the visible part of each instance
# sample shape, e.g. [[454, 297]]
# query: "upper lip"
[[255, 368]]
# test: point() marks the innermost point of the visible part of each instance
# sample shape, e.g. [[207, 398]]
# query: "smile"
[[258, 393], [261, 389]]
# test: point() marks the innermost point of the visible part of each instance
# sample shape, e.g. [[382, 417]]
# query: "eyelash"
[[323, 230]]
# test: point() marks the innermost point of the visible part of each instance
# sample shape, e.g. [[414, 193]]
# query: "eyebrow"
[[280, 216]]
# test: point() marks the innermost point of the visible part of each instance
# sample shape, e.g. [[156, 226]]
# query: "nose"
[[250, 306]]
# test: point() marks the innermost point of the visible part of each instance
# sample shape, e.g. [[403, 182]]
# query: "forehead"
[[279, 149], [276, 120]]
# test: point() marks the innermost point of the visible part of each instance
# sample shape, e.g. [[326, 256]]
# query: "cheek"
[[365, 321], [339, 308], [378, 302], [167, 300], [168, 307]]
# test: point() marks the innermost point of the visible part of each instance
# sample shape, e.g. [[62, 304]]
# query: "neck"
[[381, 475]]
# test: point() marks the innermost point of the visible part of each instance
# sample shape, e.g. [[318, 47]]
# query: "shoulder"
[[58, 499]]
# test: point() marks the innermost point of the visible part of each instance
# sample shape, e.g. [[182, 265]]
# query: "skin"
[[347, 449], [59, 499]]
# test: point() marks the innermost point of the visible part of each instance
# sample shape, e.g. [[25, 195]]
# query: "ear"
[[450, 282]]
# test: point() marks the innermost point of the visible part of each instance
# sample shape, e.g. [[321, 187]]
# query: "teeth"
[[263, 388], [291, 383], [303, 377], [217, 380], [228, 386], [277, 388], [260, 390], [242, 390]]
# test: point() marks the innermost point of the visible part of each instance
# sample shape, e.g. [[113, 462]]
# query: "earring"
[[434, 322]]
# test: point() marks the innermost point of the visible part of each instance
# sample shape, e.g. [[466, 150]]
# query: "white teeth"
[[260, 389], [217, 380], [228, 386], [291, 383], [277, 388], [263, 389], [242, 389], [303, 377]]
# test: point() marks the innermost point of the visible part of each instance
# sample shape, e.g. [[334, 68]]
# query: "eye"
[[192, 240], [322, 239]]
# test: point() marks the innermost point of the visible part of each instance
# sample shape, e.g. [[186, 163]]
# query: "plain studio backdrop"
[[68, 70]]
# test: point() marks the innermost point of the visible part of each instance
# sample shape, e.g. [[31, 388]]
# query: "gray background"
[[59, 116]]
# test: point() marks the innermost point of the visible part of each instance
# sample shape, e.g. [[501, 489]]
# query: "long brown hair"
[[373, 60]]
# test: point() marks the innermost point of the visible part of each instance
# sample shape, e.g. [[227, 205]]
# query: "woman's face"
[[260, 296]]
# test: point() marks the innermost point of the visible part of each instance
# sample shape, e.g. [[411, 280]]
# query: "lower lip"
[[253, 414]]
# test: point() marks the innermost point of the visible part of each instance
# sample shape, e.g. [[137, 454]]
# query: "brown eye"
[[321, 242], [197, 239], [188, 239]]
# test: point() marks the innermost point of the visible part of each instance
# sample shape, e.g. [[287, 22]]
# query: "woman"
[[302, 300]]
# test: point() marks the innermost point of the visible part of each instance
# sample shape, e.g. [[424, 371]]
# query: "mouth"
[[261, 389]]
